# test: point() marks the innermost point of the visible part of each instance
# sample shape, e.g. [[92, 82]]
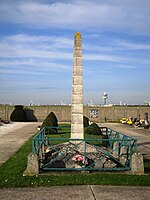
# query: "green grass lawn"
[[11, 174], [64, 134]]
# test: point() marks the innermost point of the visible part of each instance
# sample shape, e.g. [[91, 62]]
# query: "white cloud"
[[126, 45], [36, 50], [36, 46], [130, 16], [23, 38]]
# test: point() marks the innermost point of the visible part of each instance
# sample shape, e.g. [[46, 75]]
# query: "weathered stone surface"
[[77, 109], [109, 164], [32, 165], [77, 61], [115, 149], [76, 128], [77, 91], [76, 135], [123, 155], [77, 99], [77, 80], [104, 163], [77, 119], [137, 164], [78, 53], [77, 71]]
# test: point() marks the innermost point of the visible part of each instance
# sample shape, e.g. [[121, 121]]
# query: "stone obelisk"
[[77, 131]]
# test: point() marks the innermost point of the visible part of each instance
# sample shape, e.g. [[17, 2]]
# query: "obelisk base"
[[77, 127], [77, 131]]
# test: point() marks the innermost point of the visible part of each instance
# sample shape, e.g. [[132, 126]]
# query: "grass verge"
[[11, 175]]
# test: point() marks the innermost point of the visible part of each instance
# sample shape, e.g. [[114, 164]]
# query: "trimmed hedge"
[[50, 120], [21, 114], [85, 121], [18, 115], [93, 129]]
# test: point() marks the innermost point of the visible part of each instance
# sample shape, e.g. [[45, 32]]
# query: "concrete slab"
[[13, 136], [120, 192], [53, 193], [76, 192]]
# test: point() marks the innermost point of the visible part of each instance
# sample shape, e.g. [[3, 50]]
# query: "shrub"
[[30, 117], [93, 129], [85, 121], [18, 115], [50, 120]]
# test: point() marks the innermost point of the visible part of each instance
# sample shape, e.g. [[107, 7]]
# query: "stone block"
[[77, 99], [77, 136], [77, 90], [77, 71], [77, 36], [115, 149], [123, 155], [137, 164], [32, 165], [77, 118], [77, 61], [77, 80], [76, 128], [78, 53], [77, 108], [77, 43]]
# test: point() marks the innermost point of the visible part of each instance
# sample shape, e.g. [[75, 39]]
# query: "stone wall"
[[94, 113]]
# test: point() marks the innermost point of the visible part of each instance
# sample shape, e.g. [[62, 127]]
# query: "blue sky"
[[36, 50]]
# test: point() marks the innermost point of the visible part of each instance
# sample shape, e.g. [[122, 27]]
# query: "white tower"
[[105, 97]]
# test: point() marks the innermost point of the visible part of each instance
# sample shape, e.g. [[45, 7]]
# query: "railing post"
[[33, 146], [84, 154], [136, 146]]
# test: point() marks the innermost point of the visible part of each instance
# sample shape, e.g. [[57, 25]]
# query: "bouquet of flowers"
[[80, 160]]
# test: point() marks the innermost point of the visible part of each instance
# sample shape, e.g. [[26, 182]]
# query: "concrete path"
[[83, 192], [13, 136], [142, 135]]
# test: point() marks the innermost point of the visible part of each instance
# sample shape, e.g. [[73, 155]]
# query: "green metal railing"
[[56, 151]]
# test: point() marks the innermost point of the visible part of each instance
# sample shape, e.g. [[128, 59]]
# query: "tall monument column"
[[77, 130]]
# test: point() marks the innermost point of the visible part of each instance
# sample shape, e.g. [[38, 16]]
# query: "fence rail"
[[111, 151]]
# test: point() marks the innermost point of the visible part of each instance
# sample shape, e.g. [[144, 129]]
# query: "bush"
[[18, 115], [30, 117], [50, 120], [93, 129], [85, 121]]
